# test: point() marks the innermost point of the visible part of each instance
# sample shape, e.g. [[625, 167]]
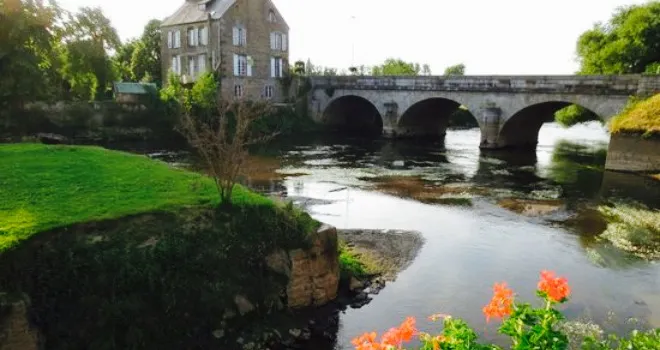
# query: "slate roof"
[[189, 12], [135, 88]]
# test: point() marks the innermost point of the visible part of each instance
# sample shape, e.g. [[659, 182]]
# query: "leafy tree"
[[426, 69], [574, 114], [204, 92], [149, 60], [122, 60], [87, 67], [458, 69], [28, 31], [396, 66], [628, 43]]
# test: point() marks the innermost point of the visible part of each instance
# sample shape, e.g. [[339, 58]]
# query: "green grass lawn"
[[43, 187], [643, 117]]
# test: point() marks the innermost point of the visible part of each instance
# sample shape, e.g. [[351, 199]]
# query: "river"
[[469, 247]]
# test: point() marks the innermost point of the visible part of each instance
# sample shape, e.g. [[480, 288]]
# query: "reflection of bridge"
[[509, 109]]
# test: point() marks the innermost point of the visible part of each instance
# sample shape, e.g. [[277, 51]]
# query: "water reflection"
[[356, 183]]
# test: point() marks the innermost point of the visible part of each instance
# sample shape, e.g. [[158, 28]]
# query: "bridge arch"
[[521, 129], [353, 114], [429, 117]]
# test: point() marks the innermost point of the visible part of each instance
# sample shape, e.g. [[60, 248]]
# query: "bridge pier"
[[490, 127]]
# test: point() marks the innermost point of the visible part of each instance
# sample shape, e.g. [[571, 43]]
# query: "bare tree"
[[222, 139]]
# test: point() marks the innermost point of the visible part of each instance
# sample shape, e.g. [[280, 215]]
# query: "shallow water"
[[468, 248]]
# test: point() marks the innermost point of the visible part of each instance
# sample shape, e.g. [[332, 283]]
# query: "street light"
[[353, 41]]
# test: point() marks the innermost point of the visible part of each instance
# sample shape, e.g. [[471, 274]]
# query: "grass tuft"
[[44, 187], [641, 117]]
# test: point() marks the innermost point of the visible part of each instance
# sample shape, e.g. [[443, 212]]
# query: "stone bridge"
[[510, 110]]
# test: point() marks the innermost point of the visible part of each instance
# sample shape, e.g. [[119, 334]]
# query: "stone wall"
[[631, 152], [313, 273]]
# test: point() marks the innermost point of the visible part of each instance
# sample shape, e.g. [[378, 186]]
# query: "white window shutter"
[[272, 67], [236, 38], [284, 43], [205, 36], [249, 66], [236, 70], [178, 65], [279, 59], [173, 68], [244, 37], [177, 39], [169, 39], [272, 41]]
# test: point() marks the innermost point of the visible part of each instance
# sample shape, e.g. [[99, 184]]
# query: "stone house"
[[244, 41]]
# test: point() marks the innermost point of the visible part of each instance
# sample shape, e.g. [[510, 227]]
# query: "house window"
[[201, 63], [192, 66], [240, 36], [271, 17], [240, 65], [276, 67], [238, 90], [170, 39], [177, 39], [201, 7], [176, 65], [278, 41], [202, 36], [193, 37], [268, 91]]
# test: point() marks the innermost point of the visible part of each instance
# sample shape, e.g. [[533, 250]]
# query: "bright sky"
[[489, 37]]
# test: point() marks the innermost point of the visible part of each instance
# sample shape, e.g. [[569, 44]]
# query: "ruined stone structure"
[[510, 110], [244, 41], [313, 274]]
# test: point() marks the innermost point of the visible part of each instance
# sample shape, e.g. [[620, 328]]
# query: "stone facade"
[[632, 152], [258, 19], [313, 273], [509, 109]]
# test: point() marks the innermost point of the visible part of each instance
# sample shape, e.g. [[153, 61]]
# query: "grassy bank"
[[129, 253], [641, 117], [43, 187]]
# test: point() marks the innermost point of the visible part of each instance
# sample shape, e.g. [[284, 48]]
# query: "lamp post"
[[353, 41]]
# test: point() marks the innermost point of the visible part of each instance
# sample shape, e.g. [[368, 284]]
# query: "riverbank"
[[145, 251], [636, 138]]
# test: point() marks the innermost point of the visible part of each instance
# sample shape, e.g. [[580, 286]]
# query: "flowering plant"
[[527, 326]]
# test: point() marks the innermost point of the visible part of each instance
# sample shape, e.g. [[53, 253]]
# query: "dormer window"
[[271, 17], [201, 7]]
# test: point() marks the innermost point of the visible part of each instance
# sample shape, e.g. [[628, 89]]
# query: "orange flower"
[[556, 288], [366, 341], [501, 303], [396, 336]]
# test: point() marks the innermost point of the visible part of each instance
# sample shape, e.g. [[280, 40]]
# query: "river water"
[[469, 247]]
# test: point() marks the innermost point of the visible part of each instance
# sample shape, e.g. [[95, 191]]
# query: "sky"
[[490, 37]]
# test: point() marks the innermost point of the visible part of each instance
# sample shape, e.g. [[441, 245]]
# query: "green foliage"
[[628, 43], [28, 65], [458, 69], [639, 117], [574, 114], [350, 263], [204, 93], [648, 340], [396, 66], [462, 118], [44, 187]]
